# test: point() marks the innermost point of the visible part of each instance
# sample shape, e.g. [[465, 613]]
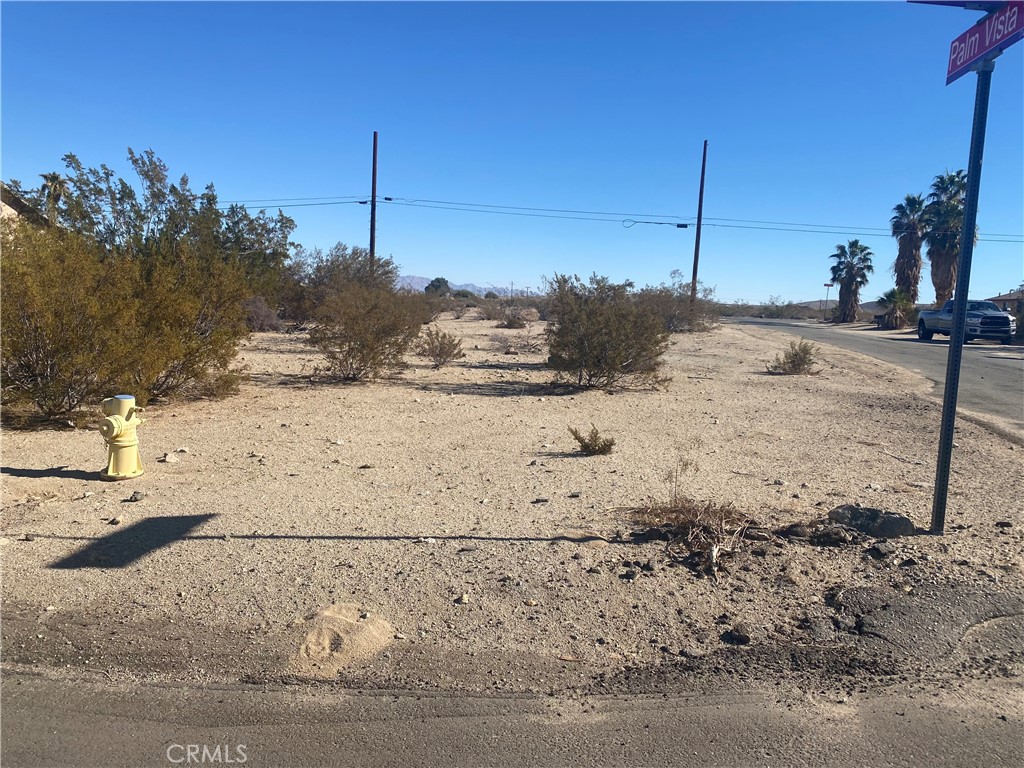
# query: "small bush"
[[592, 444], [524, 342], [365, 332], [600, 337], [259, 316], [798, 360], [440, 347]]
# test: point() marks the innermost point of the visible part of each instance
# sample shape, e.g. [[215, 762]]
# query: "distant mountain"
[[416, 283]]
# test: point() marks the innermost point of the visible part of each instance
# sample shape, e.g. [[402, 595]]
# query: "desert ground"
[[439, 530]]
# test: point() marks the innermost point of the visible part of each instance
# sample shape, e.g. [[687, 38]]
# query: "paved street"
[[49, 723], [991, 375]]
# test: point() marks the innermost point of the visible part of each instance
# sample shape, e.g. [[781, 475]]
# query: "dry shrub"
[[439, 347], [592, 444], [365, 332], [700, 533], [525, 342], [600, 337], [259, 316], [798, 360]]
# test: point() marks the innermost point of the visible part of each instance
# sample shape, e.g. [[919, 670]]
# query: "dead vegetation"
[[592, 444]]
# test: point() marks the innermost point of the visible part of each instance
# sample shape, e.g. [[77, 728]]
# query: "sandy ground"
[[439, 530]]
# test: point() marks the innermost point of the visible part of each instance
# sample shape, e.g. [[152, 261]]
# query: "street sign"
[[986, 39]]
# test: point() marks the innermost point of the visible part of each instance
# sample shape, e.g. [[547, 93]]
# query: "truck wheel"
[[922, 331]]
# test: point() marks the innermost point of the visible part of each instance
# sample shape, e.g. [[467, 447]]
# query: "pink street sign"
[[986, 39]]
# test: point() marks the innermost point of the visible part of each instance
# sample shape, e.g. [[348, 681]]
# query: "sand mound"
[[337, 636]]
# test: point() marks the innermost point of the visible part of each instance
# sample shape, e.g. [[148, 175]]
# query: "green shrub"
[[365, 332], [599, 337], [672, 305], [799, 359], [592, 444], [440, 347], [69, 320]]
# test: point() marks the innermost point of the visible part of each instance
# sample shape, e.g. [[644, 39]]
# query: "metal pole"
[[700, 216], [963, 284], [373, 208], [824, 312]]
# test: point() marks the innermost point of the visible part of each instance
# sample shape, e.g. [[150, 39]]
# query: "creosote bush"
[[592, 444], [259, 316], [439, 347], [798, 360], [364, 332], [81, 323], [598, 336]]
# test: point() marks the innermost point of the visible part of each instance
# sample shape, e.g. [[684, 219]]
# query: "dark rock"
[[908, 563], [881, 550], [738, 635], [594, 569], [873, 522], [1004, 524], [629, 575], [648, 567], [796, 531]]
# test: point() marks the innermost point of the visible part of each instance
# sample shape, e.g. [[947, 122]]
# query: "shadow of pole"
[[128, 544]]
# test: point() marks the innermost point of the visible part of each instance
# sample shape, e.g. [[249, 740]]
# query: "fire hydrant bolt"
[[118, 430]]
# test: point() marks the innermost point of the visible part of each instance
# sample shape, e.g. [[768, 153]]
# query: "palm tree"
[[851, 270], [898, 308], [909, 228], [53, 189], [944, 216]]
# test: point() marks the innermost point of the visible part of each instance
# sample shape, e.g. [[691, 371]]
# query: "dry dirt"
[[439, 530]]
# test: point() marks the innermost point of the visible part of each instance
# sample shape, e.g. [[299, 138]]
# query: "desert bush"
[[592, 444], [438, 346], [68, 319], [365, 332], [600, 337], [799, 359], [191, 320], [671, 304], [259, 316], [524, 342]]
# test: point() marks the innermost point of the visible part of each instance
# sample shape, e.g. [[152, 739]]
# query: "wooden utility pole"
[[700, 217], [373, 208]]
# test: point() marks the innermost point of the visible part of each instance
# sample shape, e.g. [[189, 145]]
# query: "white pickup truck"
[[985, 320]]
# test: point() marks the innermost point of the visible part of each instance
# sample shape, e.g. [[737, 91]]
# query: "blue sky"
[[815, 113]]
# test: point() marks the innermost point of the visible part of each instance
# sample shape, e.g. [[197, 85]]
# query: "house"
[[1011, 300], [14, 205]]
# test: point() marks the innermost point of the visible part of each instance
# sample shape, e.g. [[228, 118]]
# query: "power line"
[[526, 208]]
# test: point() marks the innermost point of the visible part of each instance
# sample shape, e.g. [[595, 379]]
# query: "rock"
[[183, 449], [541, 500], [574, 494], [114, 521], [796, 531], [530, 603], [399, 636], [778, 482], [365, 466], [168, 458], [50, 608], [873, 522], [462, 599], [647, 567], [594, 569], [873, 487], [908, 563], [738, 635], [137, 496], [1004, 524], [629, 575], [26, 537], [880, 550]]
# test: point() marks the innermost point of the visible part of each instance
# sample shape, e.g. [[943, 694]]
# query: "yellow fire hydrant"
[[118, 430]]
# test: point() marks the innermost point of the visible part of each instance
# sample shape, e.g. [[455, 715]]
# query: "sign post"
[[974, 50]]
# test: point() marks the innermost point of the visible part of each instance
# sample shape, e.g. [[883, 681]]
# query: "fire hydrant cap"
[[111, 427]]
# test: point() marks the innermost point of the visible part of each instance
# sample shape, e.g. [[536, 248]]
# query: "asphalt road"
[[991, 375], [53, 723]]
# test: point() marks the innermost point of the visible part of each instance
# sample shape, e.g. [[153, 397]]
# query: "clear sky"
[[821, 113]]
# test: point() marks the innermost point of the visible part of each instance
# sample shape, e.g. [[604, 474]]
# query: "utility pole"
[[700, 217], [373, 209]]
